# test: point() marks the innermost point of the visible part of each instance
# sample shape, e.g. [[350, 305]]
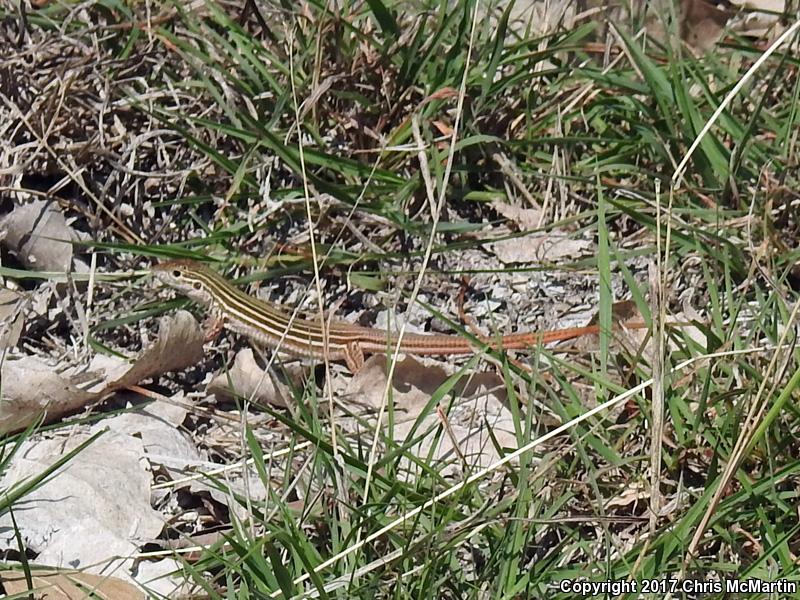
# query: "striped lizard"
[[268, 324]]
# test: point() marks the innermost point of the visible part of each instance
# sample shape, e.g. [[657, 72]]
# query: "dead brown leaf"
[[524, 218], [702, 23], [248, 380], [69, 585], [761, 18], [443, 128], [38, 234], [94, 512], [440, 94], [157, 425], [632, 494], [179, 345], [12, 318], [545, 247], [30, 388], [470, 425]]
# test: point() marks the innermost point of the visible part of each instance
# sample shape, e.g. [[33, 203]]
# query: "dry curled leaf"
[[11, 318], [634, 493], [92, 511], [760, 18], [30, 388], [69, 585], [523, 218], [247, 379], [702, 23], [441, 94], [38, 234], [157, 425], [546, 247], [179, 345], [470, 427]]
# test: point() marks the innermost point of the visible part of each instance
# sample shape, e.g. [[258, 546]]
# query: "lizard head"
[[190, 278]]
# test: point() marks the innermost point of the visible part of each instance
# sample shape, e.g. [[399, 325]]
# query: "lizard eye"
[[196, 285]]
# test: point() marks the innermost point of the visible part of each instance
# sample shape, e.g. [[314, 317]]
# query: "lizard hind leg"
[[354, 357]]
